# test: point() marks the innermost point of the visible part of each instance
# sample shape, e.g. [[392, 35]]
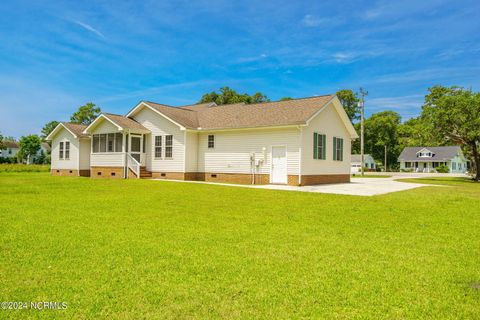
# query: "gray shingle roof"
[[358, 157], [440, 153]]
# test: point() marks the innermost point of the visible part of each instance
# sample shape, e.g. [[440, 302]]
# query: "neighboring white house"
[[427, 159], [356, 163], [296, 142], [11, 149]]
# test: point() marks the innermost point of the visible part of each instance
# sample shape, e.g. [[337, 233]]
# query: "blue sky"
[[55, 56]]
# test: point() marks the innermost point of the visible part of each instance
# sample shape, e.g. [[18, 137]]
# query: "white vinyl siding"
[[62, 137], [331, 124], [159, 126], [233, 148], [191, 151], [84, 161]]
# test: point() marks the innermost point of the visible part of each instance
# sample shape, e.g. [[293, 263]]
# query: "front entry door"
[[135, 146], [279, 165]]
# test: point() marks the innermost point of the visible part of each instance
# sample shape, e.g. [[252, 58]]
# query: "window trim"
[[167, 146], [317, 137], [155, 146], [336, 150], [60, 150], [67, 157]]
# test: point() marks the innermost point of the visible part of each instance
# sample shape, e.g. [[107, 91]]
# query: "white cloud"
[[252, 59], [89, 28]]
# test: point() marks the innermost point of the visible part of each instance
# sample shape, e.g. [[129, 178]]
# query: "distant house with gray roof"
[[427, 159], [356, 163]]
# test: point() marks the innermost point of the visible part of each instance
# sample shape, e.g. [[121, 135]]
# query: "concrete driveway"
[[357, 186]]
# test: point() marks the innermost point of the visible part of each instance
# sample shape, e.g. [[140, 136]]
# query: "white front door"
[[279, 165]]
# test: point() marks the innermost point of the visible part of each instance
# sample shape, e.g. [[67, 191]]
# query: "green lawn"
[[153, 249]]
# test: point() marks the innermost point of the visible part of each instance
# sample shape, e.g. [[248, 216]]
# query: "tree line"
[[449, 116]]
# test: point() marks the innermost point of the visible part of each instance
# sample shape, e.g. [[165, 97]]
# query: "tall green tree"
[[349, 100], [29, 146], [418, 132], [85, 114], [229, 96], [455, 113], [48, 127], [2, 145], [381, 137]]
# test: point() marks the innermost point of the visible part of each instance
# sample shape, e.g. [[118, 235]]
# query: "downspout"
[[125, 166], [300, 160]]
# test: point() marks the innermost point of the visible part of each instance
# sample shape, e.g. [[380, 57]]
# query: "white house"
[[427, 159], [296, 142], [11, 149], [356, 163]]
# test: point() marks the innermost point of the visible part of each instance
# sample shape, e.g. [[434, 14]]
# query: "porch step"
[[144, 174]]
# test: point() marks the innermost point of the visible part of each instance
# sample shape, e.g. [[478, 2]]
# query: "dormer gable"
[[425, 153]]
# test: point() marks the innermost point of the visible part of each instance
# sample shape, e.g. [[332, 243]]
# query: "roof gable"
[[120, 122], [74, 128]]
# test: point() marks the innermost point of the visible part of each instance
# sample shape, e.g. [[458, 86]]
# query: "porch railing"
[[134, 165]]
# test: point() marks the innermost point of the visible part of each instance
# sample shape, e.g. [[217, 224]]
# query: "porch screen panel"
[[96, 143], [103, 142], [118, 142], [111, 142]]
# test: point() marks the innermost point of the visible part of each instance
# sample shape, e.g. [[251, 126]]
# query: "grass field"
[[24, 168], [152, 249]]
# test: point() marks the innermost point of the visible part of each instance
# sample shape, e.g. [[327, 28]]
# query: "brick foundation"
[[64, 172], [239, 178], [70, 172], [106, 172], [308, 180], [169, 175]]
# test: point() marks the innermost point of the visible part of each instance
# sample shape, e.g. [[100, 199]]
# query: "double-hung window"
[[60, 151], [319, 146], [337, 149], [211, 141], [169, 146], [158, 147], [67, 150]]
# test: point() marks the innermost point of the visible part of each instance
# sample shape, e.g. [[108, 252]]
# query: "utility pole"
[[361, 103]]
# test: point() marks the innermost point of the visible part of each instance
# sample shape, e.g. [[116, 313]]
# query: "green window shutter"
[[334, 148], [324, 146], [341, 149], [315, 148]]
